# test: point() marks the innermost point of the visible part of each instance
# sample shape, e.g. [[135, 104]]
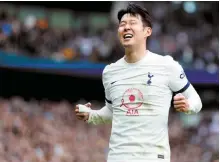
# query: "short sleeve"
[[105, 82], [178, 81]]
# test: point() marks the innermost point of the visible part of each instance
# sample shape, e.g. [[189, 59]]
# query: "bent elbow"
[[200, 105]]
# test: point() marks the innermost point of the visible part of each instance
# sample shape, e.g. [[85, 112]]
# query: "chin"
[[127, 45]]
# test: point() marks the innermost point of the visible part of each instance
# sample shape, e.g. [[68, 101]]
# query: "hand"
[[180, 103], [82, 116]]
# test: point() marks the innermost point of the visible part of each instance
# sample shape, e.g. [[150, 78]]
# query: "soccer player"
[[139, 89]]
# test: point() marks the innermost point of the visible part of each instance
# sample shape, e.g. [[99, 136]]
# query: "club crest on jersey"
[[182, 75], [150, 77], [132, 99]]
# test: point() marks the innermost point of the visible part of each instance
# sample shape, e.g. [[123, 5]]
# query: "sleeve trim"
[[110, 102], [184, 88]]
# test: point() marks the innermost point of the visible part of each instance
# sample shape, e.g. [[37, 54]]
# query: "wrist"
[[89, 120]]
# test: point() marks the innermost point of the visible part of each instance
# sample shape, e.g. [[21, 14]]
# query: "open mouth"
[[127, 36]]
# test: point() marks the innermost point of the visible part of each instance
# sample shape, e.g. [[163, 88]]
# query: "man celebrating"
[[139, 89]]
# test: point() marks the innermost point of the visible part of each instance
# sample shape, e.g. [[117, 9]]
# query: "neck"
[[133, 55]]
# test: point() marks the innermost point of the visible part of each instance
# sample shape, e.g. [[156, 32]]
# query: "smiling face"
[[132, 31]]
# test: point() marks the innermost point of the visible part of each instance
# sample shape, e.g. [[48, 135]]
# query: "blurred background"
[[52, 56]]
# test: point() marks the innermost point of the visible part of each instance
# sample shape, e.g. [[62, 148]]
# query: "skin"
[[135, 47], [82, 116], [135, 50], [180, 103]]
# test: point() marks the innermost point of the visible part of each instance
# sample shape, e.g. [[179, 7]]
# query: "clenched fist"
[[82, 115], [180, 103]]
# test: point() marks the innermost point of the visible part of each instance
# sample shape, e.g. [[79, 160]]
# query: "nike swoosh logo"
[[113, 82]]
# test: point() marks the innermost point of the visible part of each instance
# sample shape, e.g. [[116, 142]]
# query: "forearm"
[[195, 103], [102, 116]]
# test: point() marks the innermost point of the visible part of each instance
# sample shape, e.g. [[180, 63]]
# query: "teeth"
[[128, 36]]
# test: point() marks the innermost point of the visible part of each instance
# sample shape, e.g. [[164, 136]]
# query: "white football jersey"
[[139, 96]]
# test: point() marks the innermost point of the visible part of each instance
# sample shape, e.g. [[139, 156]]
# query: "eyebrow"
[[126, 21]]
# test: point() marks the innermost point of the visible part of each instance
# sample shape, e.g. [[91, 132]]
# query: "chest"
[[136, 85]]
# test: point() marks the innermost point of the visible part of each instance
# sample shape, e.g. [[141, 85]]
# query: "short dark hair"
[[135, 9]]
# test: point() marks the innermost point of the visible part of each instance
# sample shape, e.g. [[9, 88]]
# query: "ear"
[[147, 31]]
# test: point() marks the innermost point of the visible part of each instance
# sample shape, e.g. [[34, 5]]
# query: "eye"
[[122, 24], [133, 22]]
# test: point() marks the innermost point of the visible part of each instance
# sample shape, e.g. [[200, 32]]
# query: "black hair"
[[134, 10]]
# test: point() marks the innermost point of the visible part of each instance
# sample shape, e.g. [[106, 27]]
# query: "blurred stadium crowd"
[[46, 131], [191, 38]]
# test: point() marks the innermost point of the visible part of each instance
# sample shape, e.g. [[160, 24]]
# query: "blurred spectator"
[[185, 30], [46, 131], [42, 24], [69, 54], [30, 22]]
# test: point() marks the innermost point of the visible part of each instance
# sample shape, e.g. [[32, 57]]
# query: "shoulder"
[[112, 67], [109, 70], [105, 73], [166, 60], [172, 64]]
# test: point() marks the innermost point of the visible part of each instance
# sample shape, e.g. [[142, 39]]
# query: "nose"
[[127, 27]]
